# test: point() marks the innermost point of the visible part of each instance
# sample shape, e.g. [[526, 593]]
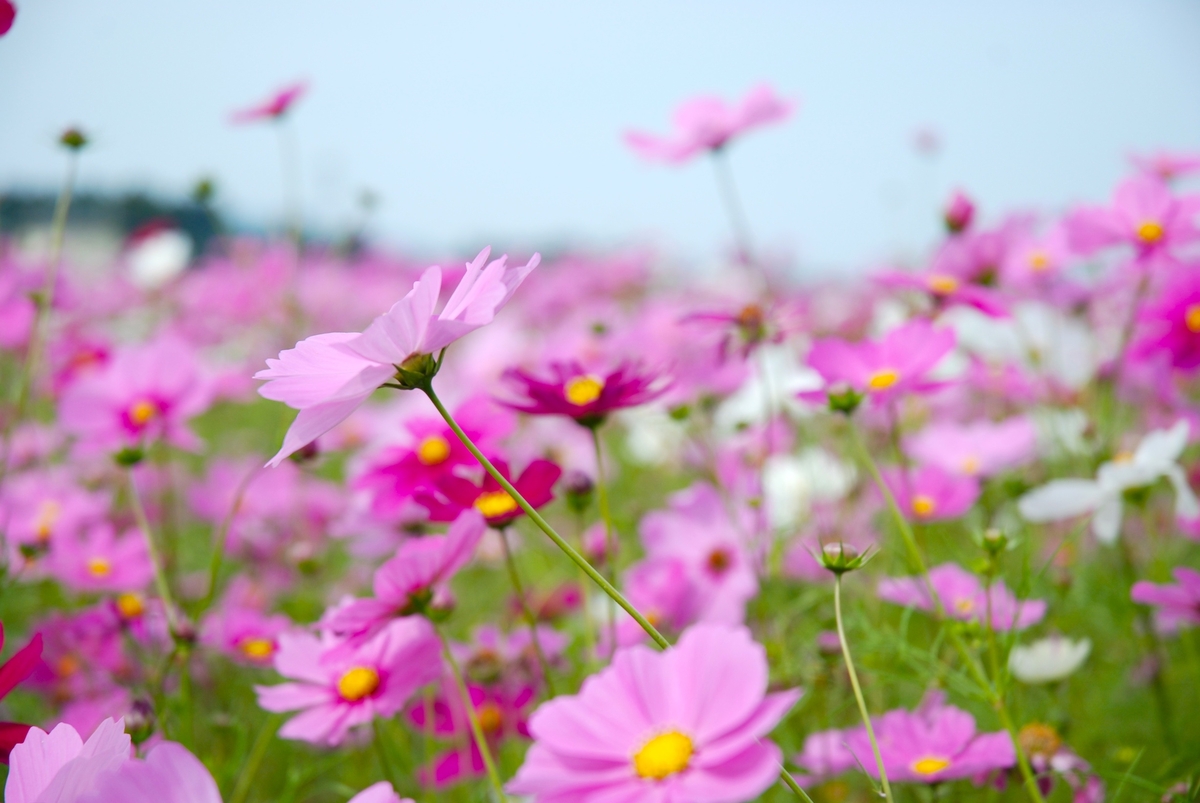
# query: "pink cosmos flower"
[[1170, 323], [978, 449], [42, 507], [418, 575], [145, 393], [382, 792], [935, 743], [885, 369], [494, 656], [1176, 604], [8, 13], [335, 695], [584, 396], [948, 290], [274, 107], [12, 672], [931, 493], [60, 767], [168, 774], [1144, 214], [453, 494], [963, 597], [826, 754], [1166, 165], [661, 589], [102, 561], [960, 211], [327, 377], [686, 724], [244, 632], [1031, 261], [17, 310], [708, 123]]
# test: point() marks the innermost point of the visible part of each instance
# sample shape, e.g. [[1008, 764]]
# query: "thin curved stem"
[[476, 731], [257, 752], [160, 577], [733, 205], [858, 695], [530, 619], [220, 537]]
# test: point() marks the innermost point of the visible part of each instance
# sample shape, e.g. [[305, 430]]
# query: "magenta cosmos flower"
[[963, 597], [453, 494], [686, 724], [978, 449], [1170, 324], [708, 123], [274, 107], [327, 377], [12, 672], [884, 369], [1144, 214], [959, 212], [587, 397], [8, 14], [931, 493], [335, 695], [935, 743], [1177, 604]]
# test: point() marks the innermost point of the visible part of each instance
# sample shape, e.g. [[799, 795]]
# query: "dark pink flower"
[[8, 13], [963, 597], [453, 494], [708, 123], [274, 107], [584, 396], [959, 213], [1170, 323], [12, 672], [1176, 604]]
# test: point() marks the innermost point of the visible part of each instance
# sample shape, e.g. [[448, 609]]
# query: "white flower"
[[159, 258], [1048, 659], [1155, 457], [791, 483]]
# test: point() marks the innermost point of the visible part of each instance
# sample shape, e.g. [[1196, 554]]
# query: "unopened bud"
[[959, 213], [73, 139], [840, 557], [417, 371], [843, 398], [578, 489]]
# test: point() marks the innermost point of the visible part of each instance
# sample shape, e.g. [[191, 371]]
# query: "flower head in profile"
[[931, 493], [587, 397], [964, 597], [454, 494], [708, 123], [327, 377], [335, 695], [1048, 660], [12, 672], [686, 724], [1176, 604], [826, 754], [273, 108]]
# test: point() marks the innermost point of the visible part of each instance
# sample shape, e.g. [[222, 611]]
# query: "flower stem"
[[220, 537], [476, 730], [160, 577], [385, 764], [530, 619], [858, 695], [257, 752], [606, 514], [579, 560], [732, 204]]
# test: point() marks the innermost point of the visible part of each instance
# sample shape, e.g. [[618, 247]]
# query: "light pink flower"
[[708, 123], [244, 632], [375, 679], [327, 377], [686, 724], [60, 767], [1176, 604], [1166, 165], [978, 449], [169, 774], [963, 597], [898, 363], [382, 792], [930, 493], [274, 107], [1144, 214], [102, 561], [826, 754]]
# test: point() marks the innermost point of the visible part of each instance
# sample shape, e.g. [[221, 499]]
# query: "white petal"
[[1061, 499], [1107, 524]]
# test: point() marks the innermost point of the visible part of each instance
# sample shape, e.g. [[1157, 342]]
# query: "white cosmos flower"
[[159, 258], [1048, 659], [1155, 457]]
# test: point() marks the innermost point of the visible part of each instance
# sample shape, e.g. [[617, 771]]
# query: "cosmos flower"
[[1048, 660], [335, 695], [1166, 165], [963, 597], [382, 792], [102, 561], [274, 107], [453, 494], [826, 754], [584, 396], [947, 290], [1170, 323], [1176, 604], [686, 724], [977, 449], [931, 493], [1154, 458], [1144, 214], [327, 377], [898, 363], [168, 774], [12, 672], [60, 766], [243, 632], [959, 212], [709, 123]]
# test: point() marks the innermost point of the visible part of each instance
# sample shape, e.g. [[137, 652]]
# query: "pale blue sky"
[[477, 121]]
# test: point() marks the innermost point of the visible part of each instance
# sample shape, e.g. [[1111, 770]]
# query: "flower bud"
[[139, 720], [843, 398], [578, 489], [959, 213], [73, 139], [417, 371], [840, 557], [129, 457]]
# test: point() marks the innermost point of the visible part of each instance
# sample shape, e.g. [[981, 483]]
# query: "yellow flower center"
[[942, 284], [930, 765], [495, 503], [433, 450], [1039, 261], [964, 606], [67, 665], [130, 605], [665, 754], [1150, 231], [1191, 318], [357, 683], [923, 505], [970, 465], [1038, 739], [99, 567], [47, 514], [883, 379], [1123, 457], [260, 649], [583, 390], [491, 718], [140, 412]]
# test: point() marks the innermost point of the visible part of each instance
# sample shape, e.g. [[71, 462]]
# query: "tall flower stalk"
[[477, 734]]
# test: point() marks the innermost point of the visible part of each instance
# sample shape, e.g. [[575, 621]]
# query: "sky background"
[[479, 122]]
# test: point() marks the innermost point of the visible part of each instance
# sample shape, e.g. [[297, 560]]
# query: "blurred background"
[[448, 125]]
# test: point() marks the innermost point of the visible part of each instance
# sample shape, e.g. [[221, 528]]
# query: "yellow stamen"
[[67, 665], [99, 567], [923, 505], [357, 683], [491, 718], [1123, 457], [259, 649], [1150, 231], [665, 754], [964, 606], [1039, 261], [433, 450], [883, 379], [495, 503], [140, 412], [47, 515], [130, 605], [942, 284], [930, 765], [970, 464], [583, 390], [1191, 318], [718, 561]]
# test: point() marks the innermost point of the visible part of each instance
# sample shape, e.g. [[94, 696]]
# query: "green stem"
[[589, 630], [858, 695], [542, 524], [160, 577], [1151, 648], [219, 538], [530, 619], [606, 514], [476, 731], [385, 764], [257, 752]]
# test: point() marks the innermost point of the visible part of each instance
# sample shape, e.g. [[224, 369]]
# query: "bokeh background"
[[475, 122]]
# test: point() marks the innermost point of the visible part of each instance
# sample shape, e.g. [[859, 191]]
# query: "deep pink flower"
[[8, 13], [274, 107], [327, 377], [335, 695], [931, 493], [962, 596], [12, 672], [935, 743], [59, 766], [884, 369], [584, 396], [454, 494], [1166, 165], [1176, 604], [1170, 323], [1144, 214], [959, 213], [708, 123], [686, 724], [102, 561], [978, 449]]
